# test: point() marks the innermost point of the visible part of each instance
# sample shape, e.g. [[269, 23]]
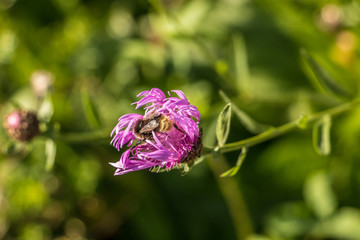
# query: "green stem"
[[231, 192], [275, 132]]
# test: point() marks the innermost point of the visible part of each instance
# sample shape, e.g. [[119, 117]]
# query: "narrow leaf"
[[248, 122], [323, 78], [321, 136], [233, 171], [241, 68], [223, 125], [50, 152]]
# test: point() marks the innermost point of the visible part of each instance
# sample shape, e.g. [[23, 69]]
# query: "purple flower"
[[165, 136]]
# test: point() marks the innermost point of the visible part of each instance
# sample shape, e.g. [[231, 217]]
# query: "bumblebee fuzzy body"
[[158, 123]]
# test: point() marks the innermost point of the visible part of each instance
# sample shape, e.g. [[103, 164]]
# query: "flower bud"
[[22, 125]]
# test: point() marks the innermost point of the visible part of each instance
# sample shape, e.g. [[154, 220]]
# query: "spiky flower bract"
[[152, 143]]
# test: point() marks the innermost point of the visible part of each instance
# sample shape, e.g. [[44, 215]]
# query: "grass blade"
[[248, 122], [323, 78]]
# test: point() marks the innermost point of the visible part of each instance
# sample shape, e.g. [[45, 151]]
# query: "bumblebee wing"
[[151, 125], [151, 115]]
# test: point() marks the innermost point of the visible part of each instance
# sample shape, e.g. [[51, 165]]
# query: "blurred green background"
[[98, 55]]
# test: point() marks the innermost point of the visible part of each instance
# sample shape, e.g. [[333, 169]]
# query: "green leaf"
[[319, 195], [91, 114], [223, 125], [248, 122], [321, 135], [323, 78], [241, 68], [233, 171], [50, 152]]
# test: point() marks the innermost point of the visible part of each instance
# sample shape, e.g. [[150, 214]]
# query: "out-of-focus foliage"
[[79, 65]]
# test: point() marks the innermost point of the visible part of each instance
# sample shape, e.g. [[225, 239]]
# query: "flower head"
[[22, 125], [166, 135]]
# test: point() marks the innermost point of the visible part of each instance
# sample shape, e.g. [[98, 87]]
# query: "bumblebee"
[[158, 123]]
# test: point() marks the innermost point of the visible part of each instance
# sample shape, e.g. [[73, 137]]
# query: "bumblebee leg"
[[139, 142]]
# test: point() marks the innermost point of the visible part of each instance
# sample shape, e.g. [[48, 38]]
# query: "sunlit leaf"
[[223, 125], [323, 77], [233, 171], [50, 153], [248, 122], [321, 136], [319, 196]]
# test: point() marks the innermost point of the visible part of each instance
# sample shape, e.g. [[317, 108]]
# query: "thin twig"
[[277, 131]]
